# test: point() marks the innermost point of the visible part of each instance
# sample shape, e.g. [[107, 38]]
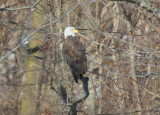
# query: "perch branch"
[[73, 105]]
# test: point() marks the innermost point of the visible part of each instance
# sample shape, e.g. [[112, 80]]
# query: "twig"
[[21, 8]]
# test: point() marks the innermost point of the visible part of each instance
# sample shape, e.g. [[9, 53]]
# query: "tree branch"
[[21, 8], [63, 95], [73, 105], [146, 5]]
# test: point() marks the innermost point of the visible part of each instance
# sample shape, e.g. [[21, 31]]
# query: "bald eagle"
[[74, 53]]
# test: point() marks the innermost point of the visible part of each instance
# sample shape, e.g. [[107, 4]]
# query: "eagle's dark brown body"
[[75, 56]]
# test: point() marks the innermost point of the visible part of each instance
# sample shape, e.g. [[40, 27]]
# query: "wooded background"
[[123, 50]]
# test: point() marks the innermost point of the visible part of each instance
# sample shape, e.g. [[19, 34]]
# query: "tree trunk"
[[32, 76]]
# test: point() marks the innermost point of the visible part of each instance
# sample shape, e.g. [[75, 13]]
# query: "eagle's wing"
[[75, 55]]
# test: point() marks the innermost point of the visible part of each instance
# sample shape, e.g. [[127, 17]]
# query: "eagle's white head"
[[70, 31]]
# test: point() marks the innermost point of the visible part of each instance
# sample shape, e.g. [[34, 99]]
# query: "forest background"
[[122, 39]]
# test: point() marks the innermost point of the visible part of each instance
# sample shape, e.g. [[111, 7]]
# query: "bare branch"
[[145, 4], [21, 8], [73, 105], [40, 27]]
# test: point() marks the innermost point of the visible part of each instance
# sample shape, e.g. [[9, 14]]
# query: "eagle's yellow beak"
[[75, 31]]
